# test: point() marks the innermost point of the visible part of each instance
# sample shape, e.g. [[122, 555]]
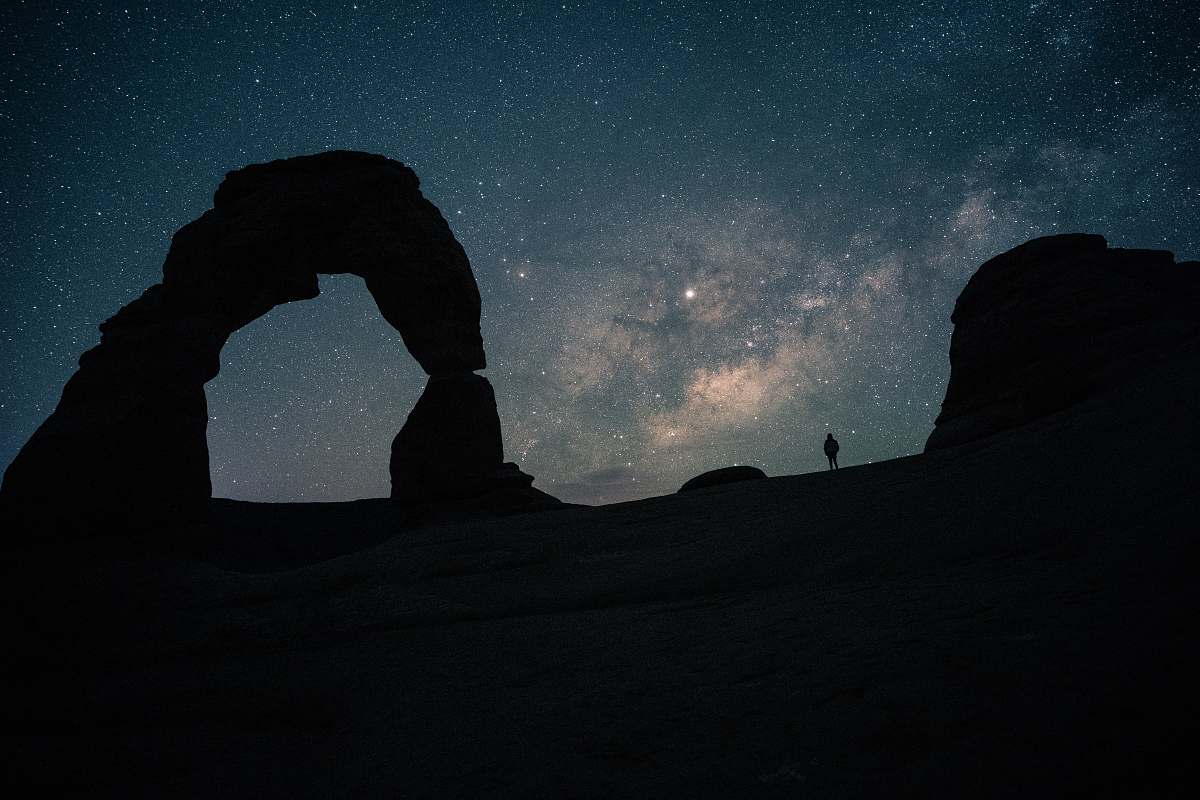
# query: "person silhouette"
[[831, 450]]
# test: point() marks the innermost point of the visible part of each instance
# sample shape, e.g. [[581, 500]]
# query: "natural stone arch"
[[129, 433]]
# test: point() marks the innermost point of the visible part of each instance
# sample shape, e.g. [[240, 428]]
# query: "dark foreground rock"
[[716, 477], [970, 622], [1055, 321]]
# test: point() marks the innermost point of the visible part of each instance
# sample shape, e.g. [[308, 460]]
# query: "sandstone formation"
[[450, 447], [129, 431], [716, 477], [1058, 320]]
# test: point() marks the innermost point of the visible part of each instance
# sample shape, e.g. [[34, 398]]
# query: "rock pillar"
[[450, 447]]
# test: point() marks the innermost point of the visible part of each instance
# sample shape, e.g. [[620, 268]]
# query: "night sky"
[[705, 234]]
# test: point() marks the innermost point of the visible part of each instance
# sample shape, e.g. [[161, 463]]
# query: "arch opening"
[[308, 399]]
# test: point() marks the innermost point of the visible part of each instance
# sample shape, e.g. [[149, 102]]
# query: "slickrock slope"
[[1011, 617]]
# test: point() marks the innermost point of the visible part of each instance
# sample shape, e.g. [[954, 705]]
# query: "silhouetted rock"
[[450, 446], [449, 454], [128, 435], [129, 432], [1054, 321], [715, 477], [274, 226]]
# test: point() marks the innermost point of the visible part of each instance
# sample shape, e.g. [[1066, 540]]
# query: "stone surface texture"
[[1055, 321]]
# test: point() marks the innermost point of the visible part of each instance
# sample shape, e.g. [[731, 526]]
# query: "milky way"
[[705, 234]]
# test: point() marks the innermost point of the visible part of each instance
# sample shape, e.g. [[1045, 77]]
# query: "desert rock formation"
[[128, 435], [1055, 321]]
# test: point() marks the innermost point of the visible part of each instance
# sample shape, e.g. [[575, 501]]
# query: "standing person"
[[831, 450]]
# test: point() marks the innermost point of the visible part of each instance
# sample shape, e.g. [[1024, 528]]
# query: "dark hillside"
[[1011, 616]]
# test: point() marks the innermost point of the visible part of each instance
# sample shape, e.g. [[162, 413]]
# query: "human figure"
[[831, 450]]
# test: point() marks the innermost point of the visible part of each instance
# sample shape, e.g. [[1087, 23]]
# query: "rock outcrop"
[[128, 435], [1055, 321], [450, 447], [716, 477]]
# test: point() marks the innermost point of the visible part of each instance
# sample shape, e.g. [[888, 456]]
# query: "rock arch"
[[129, 434]]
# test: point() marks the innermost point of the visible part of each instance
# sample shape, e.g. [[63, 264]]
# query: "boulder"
[[1055, 321], [716, 477]]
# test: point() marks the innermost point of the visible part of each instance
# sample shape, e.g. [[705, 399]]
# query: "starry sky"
[[705, 233]]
